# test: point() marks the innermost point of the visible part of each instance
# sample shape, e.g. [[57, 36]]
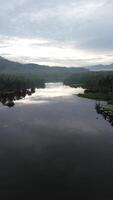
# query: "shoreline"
[[95, 96], [105, 110]]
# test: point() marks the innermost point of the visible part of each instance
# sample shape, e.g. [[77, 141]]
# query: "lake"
[[54, 145]]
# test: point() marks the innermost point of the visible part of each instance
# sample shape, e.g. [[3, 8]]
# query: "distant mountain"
[[46, 72], [100, 67]]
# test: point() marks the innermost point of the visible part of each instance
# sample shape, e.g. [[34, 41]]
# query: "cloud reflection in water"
[[50, 92]]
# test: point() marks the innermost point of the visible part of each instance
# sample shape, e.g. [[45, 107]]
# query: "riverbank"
[[105, 109], [96, 96], [108, 107]]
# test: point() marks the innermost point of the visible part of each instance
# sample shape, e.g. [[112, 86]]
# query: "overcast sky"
[[57, 32]]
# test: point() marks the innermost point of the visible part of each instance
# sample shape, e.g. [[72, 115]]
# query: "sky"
[[57, 32]]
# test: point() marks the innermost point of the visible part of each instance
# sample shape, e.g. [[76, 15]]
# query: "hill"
[[46, 72], [100, 67]]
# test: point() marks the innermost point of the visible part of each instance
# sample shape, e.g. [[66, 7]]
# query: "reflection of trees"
[[94, 82], [7, 98]]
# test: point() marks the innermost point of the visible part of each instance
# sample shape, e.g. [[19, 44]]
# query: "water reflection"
[[52, 91], [40, 95], [8, 98]]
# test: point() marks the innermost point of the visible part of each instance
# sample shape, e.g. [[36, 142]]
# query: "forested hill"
[[46, 72], [101, 67]]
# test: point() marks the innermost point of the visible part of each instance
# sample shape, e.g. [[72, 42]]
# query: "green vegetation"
[[96, 96], [98, 85], [107, 107], [7, 98], [49, 74], [15, 87], [106, 110], [90, 80], [13, 82]]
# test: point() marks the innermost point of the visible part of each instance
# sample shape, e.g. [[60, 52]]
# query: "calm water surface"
[[54, 145]]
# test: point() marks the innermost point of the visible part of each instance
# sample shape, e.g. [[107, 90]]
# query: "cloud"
[[69, 29]]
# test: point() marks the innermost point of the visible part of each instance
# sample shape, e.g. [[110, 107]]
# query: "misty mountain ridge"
[[55, 73], [100, 67], [46, 72]]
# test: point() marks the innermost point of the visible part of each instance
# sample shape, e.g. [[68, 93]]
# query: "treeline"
[[10, 82], [96, 82], [49, 74], [100, 84]]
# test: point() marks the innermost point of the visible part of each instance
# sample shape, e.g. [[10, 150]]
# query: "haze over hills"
[[46, 72], [101, 67]]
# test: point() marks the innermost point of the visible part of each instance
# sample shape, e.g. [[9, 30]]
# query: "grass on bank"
[[108, 107], [102, 97], [96, 96]]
